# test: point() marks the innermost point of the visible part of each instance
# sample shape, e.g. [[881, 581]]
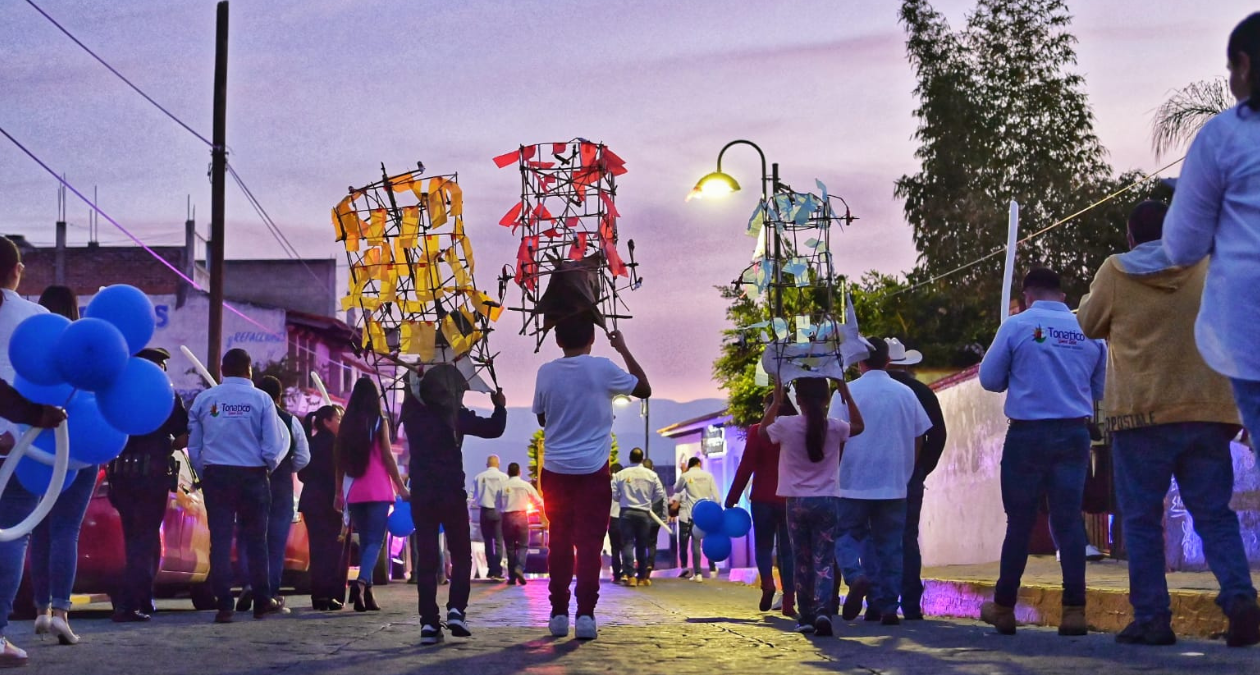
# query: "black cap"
[[154, 354], [1042, 278]]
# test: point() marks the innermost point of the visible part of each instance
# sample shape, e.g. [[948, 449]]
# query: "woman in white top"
[[809, 477]]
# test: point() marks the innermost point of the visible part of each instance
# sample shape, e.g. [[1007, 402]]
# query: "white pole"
[[201, 369], [1012, 235]]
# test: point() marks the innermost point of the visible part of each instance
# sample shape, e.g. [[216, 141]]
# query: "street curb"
[[79, 599]]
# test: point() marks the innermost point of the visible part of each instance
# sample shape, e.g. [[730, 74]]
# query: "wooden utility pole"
[[218, 167]]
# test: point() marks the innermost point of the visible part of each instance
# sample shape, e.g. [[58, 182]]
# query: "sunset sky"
[[323, 91]]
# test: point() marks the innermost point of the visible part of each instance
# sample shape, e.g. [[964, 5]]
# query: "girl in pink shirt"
[[811, 445], [369, 477]]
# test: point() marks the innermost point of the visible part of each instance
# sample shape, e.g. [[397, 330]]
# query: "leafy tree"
[[536, 446]]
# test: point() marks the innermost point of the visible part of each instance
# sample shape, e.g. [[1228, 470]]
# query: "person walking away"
[[234, 441], [809, 477], [368, 475], [874, 474], [280, 518], [573, 401], [614, 532], [1216, 211], [637, 487], [760, 462], [140, 482], [900, 362], [323, 520], [55, 540], [514, 501], [660, 508], [1170, 416], [1052, 374], [694, 485], [487, 487], [436, 423]]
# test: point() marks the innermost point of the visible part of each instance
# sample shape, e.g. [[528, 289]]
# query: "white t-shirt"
[[799, 476], [14, 311], [575, 395], [878, 463]]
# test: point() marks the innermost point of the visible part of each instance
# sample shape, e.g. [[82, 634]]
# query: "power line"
[[284, 242]]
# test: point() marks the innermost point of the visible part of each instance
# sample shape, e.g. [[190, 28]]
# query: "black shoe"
[[131, 616], [369, 600], [853, 601], [1244, 623], [319, 604], [890, 619], [873, 614], [1152, 633], [268, 607], [223, 616], [520, 581], [685, 574], [356, 597], [335, 605], [912, 614], [822, 627], [767, 599], [246, 601], [457, 624], [510, 581], [431, 635]]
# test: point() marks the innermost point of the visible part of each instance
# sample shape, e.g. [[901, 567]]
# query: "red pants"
[[577, 506]]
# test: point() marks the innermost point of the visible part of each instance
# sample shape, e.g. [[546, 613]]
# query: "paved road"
[[673, 627]]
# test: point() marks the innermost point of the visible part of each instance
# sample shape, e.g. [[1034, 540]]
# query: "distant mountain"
[[629, 427]]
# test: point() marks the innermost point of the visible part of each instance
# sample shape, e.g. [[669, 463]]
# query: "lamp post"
[[645, 411], [719, 184]]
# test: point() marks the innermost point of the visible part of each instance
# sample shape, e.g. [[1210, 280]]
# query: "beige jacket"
[[1145, 307]]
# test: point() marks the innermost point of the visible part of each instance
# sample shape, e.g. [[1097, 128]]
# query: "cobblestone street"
[[673, 627]]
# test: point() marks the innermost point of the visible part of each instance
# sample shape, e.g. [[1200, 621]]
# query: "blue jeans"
[[1198, 455], [688, 541], [279, 523], [491, 523], [516, 542], [232, 494], [15, 505], [55, 543], [770, 532], [813, 529], [369, 520], [1247, 396], [883, 522], [636, 532], [1044, 457]]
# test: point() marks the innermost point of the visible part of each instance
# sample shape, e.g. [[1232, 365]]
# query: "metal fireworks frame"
[[411, 276], [567, 215]]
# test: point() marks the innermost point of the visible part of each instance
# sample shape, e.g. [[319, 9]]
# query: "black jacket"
[[934, 443], [437, 456], [319, 478]]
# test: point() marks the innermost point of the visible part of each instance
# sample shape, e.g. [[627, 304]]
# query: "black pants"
[[636, 529], [614, 543], [141, 505], [912, 558], [516, 542], [235, 493], [448, 510], [492, 534], [330, 559]]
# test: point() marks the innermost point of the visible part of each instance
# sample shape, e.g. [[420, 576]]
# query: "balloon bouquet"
[[716, 527], [89, 368]]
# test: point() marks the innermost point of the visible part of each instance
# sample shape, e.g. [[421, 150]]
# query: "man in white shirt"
[[486, 488], [636, 488], [514, 500], [874, 471], [694, 484]]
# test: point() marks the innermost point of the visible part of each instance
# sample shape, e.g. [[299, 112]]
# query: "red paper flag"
[[559, 148], [615, 265], [579, 247], [541, 212], [615, 164], [608, 204], [512, 217], [507, 158]]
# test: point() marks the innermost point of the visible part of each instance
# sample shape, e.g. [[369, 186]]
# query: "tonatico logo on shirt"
[[234, 409], [1039, 336], [214, 409], [1064, 338]]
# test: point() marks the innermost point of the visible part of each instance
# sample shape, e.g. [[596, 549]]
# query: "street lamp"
[[645, 409]]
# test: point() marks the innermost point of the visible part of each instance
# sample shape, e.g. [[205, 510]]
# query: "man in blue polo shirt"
[[1052, 374]]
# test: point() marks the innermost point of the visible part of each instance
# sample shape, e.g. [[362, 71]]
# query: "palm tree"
[[1179, 118]]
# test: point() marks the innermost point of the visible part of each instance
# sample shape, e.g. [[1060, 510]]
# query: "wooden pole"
[[218, 168]]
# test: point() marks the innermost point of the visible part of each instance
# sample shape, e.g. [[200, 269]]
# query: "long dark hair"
[[10, 258], [812, 395], [1246, 40], [314, 422], [61, 300], [359, 427]]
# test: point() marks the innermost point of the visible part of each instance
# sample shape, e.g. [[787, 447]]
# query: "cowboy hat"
[[898, 355]]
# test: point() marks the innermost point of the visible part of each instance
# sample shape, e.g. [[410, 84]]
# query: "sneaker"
[[853, 601], [685, 574], [777, 603], [11, 656], [645, 582], [1092, 554], [699, 579], [631, 582], [520, 581], [1244, 623], [559, 626], [1151, 633], [822, 627], [804, 628], [431, 635], [1001, 618], [586, 628], [223, 616], [270, 606], [457, 624]]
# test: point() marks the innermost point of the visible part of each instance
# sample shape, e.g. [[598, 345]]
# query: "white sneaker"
[[586, 629], [1092, 554], [559, 625], [697, 578], [777, 604]]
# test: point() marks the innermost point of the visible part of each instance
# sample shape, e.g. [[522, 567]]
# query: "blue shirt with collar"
[[235, 424], [1046, 364]]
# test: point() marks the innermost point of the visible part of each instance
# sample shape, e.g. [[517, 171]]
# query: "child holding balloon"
[[809, 477]]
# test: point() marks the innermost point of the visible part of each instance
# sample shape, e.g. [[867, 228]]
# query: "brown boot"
[[1073, 622], [1001, 618], [789, 603]]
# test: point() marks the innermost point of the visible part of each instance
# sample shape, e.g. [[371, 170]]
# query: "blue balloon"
[[92, 439], [91, 354], [129, 310], [35, 476], [400, 523], [57, 394], [716, 546], [32, 348], [736, 522], [707, 515], [140, 400]]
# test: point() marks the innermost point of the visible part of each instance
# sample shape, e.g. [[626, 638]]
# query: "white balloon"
[[697, 532]]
